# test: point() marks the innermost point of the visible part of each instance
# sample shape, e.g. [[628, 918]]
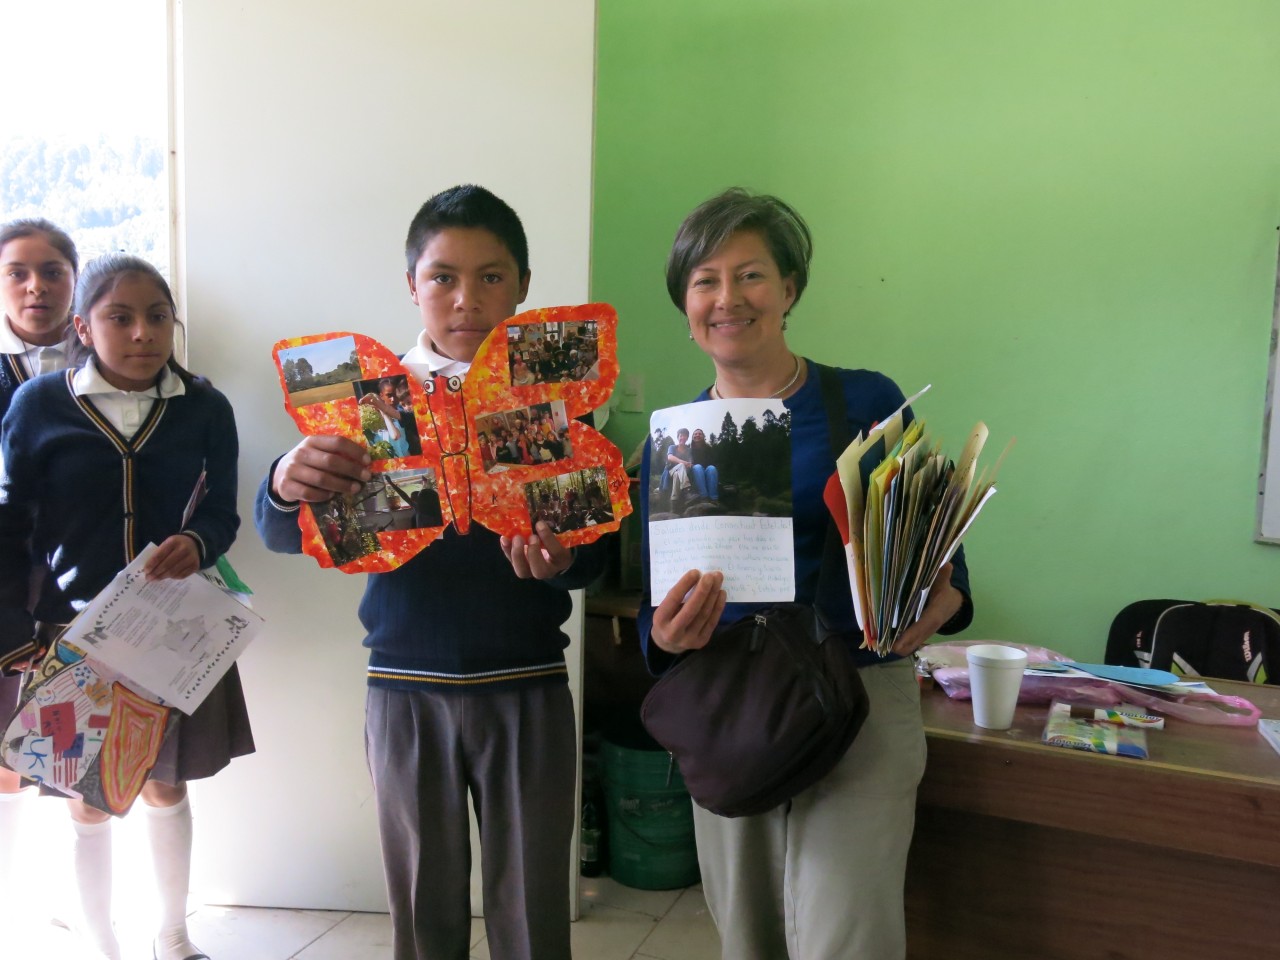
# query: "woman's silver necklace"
[[717, 395]]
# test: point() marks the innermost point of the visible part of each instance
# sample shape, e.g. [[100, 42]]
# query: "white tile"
[[361, 936], [608, 933], [685, 933], [258, 933], [605, 891], [600, 933], [477, 930]]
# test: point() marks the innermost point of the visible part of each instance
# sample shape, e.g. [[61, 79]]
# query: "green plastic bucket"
[[651, 843]]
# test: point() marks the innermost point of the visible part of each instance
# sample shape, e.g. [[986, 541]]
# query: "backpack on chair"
[[1214, 638]]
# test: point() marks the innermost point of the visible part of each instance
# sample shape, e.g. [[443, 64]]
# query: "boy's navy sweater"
[[455, 617], [80, 498]]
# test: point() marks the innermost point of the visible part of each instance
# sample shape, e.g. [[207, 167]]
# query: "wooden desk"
[[1027, 851]]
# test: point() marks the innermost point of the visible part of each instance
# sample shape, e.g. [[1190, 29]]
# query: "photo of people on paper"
[[338, 520], [552, 352], [719, 489], [570, 501], [399, 500], [386, 417], [525, 437], [320, 372]]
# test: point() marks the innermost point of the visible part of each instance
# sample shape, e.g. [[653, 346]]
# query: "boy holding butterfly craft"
[[467, 679]]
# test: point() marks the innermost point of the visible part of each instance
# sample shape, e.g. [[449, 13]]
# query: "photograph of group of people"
[[570, 501], [525, 437], [552, 352], [394, 501], [330, 370], [702, 463]]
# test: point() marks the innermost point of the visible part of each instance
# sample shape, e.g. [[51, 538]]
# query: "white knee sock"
[[170, 831], [13, 811], [92, 855]]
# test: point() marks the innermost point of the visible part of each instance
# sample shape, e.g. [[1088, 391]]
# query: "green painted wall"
[[1061, 214]]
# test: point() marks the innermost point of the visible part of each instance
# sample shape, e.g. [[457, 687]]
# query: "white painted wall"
[[310, 132]]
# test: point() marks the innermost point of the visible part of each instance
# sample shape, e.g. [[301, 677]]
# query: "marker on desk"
[[1121, 715]]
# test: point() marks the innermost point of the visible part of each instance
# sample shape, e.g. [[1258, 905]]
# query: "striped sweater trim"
[[126, 446], [25, 652], [433, 678]]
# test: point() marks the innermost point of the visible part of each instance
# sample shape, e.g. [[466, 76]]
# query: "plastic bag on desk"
[[950, 669]]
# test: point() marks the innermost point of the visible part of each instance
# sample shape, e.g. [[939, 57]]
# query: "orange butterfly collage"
[[502, 446]]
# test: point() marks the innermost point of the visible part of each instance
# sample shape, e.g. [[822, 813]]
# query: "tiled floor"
[[617, 923]]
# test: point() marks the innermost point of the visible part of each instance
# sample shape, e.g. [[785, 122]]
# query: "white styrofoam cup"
[[995, 677]]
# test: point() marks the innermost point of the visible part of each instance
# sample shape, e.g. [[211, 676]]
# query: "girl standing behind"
[[38, 264], [98, 463]]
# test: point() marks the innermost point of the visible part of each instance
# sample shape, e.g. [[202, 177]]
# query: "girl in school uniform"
[[38, 265], [99, 462]]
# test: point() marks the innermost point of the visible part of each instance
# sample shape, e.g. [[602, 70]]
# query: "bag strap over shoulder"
[[833, 563]]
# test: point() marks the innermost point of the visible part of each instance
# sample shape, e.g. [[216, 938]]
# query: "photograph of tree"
[[705, 460]]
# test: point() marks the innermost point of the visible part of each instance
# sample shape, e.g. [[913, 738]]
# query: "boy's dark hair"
[[103, 273], [714, 221], [471, 206], [57, 237]]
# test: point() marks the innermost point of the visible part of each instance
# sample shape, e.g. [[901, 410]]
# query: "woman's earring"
[[784, 325]]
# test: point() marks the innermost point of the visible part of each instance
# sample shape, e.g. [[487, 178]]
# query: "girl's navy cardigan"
[[83, 500]]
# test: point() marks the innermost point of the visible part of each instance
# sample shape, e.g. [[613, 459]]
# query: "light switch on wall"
[[630, 390]]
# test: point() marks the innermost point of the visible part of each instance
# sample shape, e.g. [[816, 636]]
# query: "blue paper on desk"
[[1138, 676]]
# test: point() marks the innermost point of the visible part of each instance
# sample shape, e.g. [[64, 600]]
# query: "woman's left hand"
[[540, 557], [178, 557], [944, 601]]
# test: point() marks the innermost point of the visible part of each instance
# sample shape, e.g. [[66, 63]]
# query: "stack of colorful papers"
[[902, 509]]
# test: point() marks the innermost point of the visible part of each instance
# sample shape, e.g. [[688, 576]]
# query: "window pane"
[[84, 122]]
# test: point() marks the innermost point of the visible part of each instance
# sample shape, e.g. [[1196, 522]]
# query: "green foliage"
[[110, 195]]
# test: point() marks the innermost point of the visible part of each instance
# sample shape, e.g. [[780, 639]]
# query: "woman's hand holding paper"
[[688, 614], [944, 602]]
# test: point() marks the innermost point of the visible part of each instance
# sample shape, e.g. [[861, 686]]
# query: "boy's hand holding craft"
[[319, 467], [540, 557]]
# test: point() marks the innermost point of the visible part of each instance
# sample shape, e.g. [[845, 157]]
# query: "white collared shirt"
[[423, 361], [34, 358], [125, 409]]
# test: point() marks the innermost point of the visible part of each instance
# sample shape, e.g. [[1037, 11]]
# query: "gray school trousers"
[[822, 877], [515, 751]]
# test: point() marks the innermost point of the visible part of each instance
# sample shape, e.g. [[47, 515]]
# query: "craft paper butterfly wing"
[[330, 382], [530, 380]]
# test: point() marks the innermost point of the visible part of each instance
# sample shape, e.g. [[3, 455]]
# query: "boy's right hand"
[[319, 467]]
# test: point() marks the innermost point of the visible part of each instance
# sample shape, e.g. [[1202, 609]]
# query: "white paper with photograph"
[[719, 490], [176, 638]]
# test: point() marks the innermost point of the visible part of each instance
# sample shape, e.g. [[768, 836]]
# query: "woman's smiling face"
[[736, 301]]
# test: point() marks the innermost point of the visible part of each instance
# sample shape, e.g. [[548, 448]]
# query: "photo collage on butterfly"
[[328, 371], [566, 352]]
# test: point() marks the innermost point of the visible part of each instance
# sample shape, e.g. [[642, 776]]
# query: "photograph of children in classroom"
[[552, 352], [525, 437]]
